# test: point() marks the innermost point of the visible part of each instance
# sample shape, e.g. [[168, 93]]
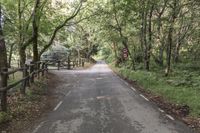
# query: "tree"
[[59, 27], [3, 54]]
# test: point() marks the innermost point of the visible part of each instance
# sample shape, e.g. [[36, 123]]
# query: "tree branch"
[[60, 27]]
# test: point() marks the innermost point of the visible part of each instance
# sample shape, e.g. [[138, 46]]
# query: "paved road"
[[97, 101]]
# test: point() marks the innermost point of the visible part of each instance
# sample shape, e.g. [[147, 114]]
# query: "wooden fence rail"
[[69, 64], [29, 72]]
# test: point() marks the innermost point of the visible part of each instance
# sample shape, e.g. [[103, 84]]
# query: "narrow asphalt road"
[[98, 101]]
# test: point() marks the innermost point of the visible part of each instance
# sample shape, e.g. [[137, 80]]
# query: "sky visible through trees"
[[162, 37]]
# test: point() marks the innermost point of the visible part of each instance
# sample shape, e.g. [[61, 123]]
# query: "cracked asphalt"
[[97, 101]]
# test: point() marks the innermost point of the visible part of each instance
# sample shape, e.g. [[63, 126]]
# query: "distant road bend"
[[97, 101]]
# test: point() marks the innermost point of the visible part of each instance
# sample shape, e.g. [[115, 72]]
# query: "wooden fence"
[[69, 64], [30, 72]]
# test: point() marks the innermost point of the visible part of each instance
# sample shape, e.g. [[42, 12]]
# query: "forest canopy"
[[154, 32], [153, 42]]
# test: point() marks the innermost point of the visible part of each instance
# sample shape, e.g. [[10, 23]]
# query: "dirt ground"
[[24, 111]]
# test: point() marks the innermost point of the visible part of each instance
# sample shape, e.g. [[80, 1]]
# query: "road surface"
[[97, 101]]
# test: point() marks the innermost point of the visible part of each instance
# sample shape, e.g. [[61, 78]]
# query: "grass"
[[4, 117], [15, 77], [181, 87]]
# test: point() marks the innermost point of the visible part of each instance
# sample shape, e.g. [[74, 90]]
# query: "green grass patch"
[[181, 87], [4, 117]]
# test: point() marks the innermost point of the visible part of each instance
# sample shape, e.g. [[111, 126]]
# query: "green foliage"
[[4, 117], [109, 26], [181, 88], [36, 91]]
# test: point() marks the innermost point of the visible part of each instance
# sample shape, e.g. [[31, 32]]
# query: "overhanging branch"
[[75, 13]]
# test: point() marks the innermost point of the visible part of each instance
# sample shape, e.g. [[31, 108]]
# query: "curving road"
[[97, 101]]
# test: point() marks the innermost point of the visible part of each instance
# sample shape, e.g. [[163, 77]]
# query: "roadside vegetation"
[[181, 87], [156, 44], [153, 42]]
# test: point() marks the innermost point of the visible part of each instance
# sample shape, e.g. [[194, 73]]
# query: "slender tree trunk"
[[177, 48], [35, 31], [3, 54], [170, 38], [21, 49], [150, 39], [160, 58], [35, 50], [169, 50], [176, 54], [115, 50], [182, 34], [161, 37], [22, 54], [3, 61], [124, 38], [10, 55], [145, 40]]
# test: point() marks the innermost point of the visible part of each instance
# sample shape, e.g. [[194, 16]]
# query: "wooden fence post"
[[46, 67], [68, 63], [58, 65], [38, 69], [31, 72], [43, 69], [28, 74], [79, 62], [4, 83], [24, 83], [74, 63], [83, 63]]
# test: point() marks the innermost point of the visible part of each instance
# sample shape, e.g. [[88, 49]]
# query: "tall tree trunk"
[[35, 49], [3, 54], [150, 39], [170, 37], [3, 61], [160, 37], [144, 37], [22, 54], [124, 38], [21, 49], [160, 58], [115, 50], [10, 55], [182, 34], [22, 58], [35, 31], [169, 50], [177, 48]]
